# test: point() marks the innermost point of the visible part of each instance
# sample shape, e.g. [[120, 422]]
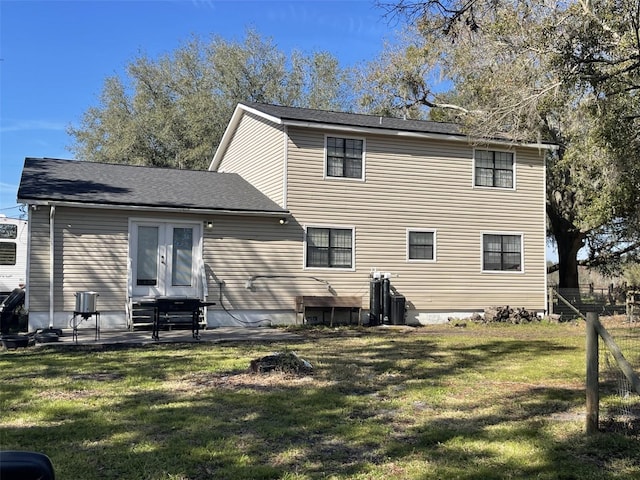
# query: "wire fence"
[[619, 402], [618, 398], [603, 301]]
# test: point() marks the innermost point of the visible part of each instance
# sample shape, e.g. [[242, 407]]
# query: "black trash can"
[[398, 307]]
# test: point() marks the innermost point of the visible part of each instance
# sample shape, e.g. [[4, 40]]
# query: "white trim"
[[285, 168], [197, 260], [502, 272], [435, 242], [543, 226], [139, 208], [362, 178], [52, 252], [487, 187], [424, 135], [226, 137], [27, 276], [336, 227]]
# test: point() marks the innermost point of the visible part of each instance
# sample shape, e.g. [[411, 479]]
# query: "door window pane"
[[182, 261], [147, 266]]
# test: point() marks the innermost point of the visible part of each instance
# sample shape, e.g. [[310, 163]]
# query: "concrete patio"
[[87, 336]]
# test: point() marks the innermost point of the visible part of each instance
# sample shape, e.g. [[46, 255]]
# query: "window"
[[7, 253], [344, 157], [329, 247], [494, 169], [182, 257], [8, 231], [421, 245], [147, 265], [502, 252]]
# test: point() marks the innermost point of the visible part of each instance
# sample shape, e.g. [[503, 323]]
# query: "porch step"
[[141, 316]]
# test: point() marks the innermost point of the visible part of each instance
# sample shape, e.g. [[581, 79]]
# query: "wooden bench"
[[352, 303]]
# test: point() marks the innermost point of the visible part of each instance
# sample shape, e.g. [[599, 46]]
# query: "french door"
[[165, 258]]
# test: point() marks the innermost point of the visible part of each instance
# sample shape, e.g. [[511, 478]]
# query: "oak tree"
[[172, 111]]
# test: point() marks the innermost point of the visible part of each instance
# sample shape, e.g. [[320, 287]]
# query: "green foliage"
[[631, 273], [172, 111]]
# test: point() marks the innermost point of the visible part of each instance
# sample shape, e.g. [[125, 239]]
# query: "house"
[[297, 203]]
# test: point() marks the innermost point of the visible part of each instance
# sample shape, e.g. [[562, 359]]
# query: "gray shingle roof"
[[46, 179], [356, 119]]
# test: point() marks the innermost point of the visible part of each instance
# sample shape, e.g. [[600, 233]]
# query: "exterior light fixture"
[[284, 221], [208, 224]]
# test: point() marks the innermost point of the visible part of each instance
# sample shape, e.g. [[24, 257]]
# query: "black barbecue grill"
[[164, 306]]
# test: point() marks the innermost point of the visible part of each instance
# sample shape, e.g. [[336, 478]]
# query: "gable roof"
[[47, 180], [308, 116], [353, 123]]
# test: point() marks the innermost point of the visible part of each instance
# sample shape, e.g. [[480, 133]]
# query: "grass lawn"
[[437, 402]]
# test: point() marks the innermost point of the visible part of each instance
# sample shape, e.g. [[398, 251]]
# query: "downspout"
[[285, 168], [547, 303], [52, 215], [28, 275]]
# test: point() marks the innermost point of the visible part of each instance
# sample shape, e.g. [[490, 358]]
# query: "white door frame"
[[164, 261]]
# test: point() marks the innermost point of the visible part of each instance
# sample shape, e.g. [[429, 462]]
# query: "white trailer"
[[13, 254]]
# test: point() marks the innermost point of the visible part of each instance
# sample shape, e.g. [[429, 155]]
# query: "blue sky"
[[55, 55]]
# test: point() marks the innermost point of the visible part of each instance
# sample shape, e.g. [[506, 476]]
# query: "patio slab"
[[143, 337]]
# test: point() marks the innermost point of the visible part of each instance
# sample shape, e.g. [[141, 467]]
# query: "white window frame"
[[336, 227], [342, 179], [513, 173], [502, 272], [435, 242]]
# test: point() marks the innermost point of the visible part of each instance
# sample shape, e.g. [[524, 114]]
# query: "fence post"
[[593, 396]]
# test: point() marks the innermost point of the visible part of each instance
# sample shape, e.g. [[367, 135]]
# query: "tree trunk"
[[569, 240], [568, 245]]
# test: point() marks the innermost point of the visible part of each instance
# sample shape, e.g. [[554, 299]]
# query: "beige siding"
[[38, 274], [413, 183], [239, 248], [410, 183], [257, 150], [91, 255], [91, 248]]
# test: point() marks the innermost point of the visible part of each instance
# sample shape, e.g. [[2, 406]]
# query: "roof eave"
[[414, 134], [154, 208]]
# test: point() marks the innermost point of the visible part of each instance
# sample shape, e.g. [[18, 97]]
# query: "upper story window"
[[494, 169], [421, 245], [345, 158], [329, 247], [502, 252]]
